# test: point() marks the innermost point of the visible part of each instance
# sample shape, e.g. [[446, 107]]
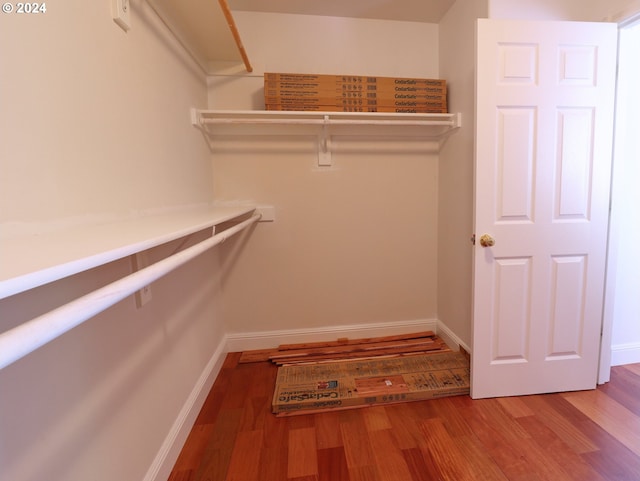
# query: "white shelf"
[[206, 29], [435, 124], [435, 127], [28, 261]]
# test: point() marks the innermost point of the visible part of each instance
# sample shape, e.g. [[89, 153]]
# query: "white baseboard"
[[450, 338], [237, 342], [625, 354], [160, 469]]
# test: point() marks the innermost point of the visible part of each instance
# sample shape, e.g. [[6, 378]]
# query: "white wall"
[[624, 260], [355, 243], [455, 201], [93, 120], [324, 45], [573, 10], [95, 123]]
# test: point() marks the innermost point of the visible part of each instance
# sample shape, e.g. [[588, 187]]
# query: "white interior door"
[[544, 127]]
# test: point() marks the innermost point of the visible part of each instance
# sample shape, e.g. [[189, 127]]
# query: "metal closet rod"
[[31, 335]]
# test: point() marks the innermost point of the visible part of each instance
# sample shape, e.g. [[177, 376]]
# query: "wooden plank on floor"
[[256, 355], [336, 349], [369, 357], [332, 464], [342, 342], [390, 460], [442, 449], [245, 457], [634, 368], [303, 457], [563, 419], [387, 352], [609, 415], [357, 448]]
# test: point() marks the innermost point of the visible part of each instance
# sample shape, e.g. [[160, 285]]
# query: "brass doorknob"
[[487, 241]]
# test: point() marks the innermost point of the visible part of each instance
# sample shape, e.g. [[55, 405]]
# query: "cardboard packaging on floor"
[[338, 385]]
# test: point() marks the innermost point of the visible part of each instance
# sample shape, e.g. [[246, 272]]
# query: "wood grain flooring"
[[578, 436]]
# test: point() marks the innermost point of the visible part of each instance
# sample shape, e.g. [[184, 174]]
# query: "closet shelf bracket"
[[324, 148]]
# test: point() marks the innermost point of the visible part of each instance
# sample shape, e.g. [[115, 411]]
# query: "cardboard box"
[[350, 93], [333, 80], [391, 101], [347, 384], [340, 91], [439, 109]]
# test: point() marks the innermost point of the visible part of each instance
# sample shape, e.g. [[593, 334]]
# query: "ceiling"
[[429, 11]]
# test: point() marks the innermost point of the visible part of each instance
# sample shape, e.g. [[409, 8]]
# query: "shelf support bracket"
[[324, 145]]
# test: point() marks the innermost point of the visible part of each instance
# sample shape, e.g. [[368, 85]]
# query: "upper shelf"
[[28, 261], [205, 28], [440, 124], [427, 126]]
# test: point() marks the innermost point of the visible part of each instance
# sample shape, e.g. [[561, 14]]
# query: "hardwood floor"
[[581, 436]]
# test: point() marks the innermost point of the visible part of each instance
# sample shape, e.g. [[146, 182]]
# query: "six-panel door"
[[544, 125]]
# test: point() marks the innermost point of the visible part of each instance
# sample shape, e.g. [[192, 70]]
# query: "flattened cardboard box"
[[277, 85], [381, 91], [432, 101], [387, 93], [330, 80], [357, 108], [367, 382]]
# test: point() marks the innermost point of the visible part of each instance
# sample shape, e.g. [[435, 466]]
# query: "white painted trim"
[[237, 342], [165, 459], [628, 16], [625, 354], [450, 338]]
